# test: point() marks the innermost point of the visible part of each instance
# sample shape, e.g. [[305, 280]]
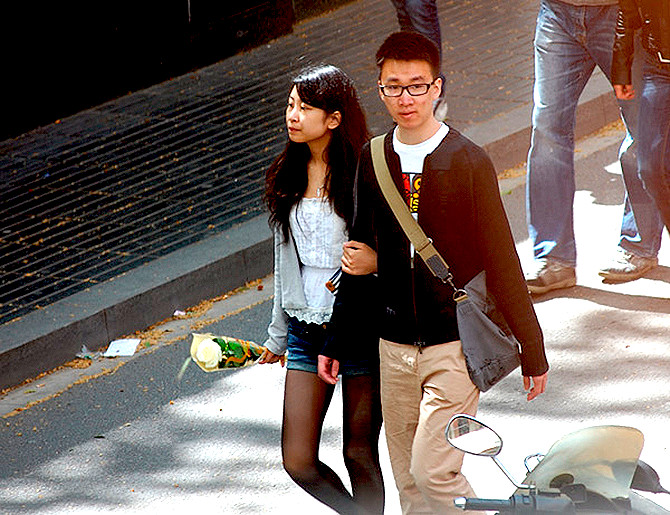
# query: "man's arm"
[[628, 22], [504, 277], [328, 369], [361, 232]]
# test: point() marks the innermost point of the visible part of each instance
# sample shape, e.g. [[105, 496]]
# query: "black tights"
[[306, 400]]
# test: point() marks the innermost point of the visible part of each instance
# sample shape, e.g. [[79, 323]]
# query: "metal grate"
[[98, 207], [118, 186]]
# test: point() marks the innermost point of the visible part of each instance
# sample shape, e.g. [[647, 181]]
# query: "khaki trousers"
[[420, 392]]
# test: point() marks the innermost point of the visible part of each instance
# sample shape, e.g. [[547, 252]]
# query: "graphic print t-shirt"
[[411, 164]]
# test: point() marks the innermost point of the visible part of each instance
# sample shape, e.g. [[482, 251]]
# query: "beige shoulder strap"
[[422, 244]]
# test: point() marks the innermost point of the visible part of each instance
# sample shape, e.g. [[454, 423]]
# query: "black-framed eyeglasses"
[[414, 90]]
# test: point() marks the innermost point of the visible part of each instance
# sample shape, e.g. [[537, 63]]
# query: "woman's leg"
[[306, 400], [362, 424]]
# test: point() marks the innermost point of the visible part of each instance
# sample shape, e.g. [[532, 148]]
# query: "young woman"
[[309, 193]]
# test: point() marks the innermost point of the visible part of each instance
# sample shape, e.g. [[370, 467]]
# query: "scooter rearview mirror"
[[469, 435]]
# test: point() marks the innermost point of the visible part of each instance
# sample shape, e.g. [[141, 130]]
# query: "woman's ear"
[[334, 120]]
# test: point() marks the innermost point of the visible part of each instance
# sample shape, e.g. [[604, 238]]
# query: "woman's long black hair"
[[329, 88]]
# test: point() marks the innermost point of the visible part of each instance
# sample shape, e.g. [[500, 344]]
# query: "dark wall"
[[63, 57]]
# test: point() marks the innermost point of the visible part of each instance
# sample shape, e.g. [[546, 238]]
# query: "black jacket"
[[653, 16], [461, 210]]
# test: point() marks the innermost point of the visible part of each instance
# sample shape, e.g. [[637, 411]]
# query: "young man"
[[451, 186]]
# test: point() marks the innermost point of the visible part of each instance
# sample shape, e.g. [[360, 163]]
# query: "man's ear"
[[334, 120], [379, 90], [440, 85]]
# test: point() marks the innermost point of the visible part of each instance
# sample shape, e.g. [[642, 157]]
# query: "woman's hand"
[[358, 258], [270, 357]]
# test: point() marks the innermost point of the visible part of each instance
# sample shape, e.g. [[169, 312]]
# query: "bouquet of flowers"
[[212, 353]]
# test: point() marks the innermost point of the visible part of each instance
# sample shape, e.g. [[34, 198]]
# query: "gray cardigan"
[[289, 297]]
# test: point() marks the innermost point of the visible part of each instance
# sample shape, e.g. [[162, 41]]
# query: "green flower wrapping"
[[212, 353]]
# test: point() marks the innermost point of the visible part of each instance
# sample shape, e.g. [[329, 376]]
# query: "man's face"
[[409, 112]]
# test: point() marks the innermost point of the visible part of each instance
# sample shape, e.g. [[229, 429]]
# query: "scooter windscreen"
[[601, 458]]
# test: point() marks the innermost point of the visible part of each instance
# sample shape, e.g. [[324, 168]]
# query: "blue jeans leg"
[[654, 134], [562, 68], [641, 225], [420, 16]]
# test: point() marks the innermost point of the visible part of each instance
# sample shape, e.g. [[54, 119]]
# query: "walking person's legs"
[[306, 400], [362, 425], [562, 68], [654, 137], [447, 390], [420, 16], [641, 227], [421, 390], [401, 398], [641, 224]]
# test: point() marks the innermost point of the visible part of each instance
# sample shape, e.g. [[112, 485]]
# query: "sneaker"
[[550, 275], [626, 266]]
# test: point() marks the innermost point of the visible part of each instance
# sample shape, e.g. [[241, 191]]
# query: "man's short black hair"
[[409, 46]]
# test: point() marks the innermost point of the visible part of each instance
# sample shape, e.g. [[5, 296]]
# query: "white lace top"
[[319, 234]]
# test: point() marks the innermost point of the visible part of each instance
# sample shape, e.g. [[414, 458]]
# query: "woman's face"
[[307, 124]]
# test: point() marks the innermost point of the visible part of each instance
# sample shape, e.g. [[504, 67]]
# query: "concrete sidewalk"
[[122, 214]]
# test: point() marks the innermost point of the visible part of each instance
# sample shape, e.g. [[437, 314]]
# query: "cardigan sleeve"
[[354, 322], [278, 328], [622, 60], [505, 280], [362, 226], [354, 325]]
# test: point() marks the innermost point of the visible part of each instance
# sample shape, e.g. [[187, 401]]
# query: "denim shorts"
[[304, 344]]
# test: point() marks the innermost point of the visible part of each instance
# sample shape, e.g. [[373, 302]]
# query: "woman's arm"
[[278, 328]]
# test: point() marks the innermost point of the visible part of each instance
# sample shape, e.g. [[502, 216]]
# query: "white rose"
[[208, 353]]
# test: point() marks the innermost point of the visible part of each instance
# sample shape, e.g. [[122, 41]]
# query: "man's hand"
[[328, 369], [358, 258], [539, 384], [624, 91]]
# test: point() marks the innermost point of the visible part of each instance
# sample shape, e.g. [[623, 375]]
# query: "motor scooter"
[[593, 470]]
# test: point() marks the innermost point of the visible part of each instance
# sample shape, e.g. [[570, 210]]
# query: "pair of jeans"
[[305, 341], [569, 42], [420, 16], [654, 135]]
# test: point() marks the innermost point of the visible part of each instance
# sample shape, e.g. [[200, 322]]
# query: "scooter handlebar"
[[519, 503], [476, 504]]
